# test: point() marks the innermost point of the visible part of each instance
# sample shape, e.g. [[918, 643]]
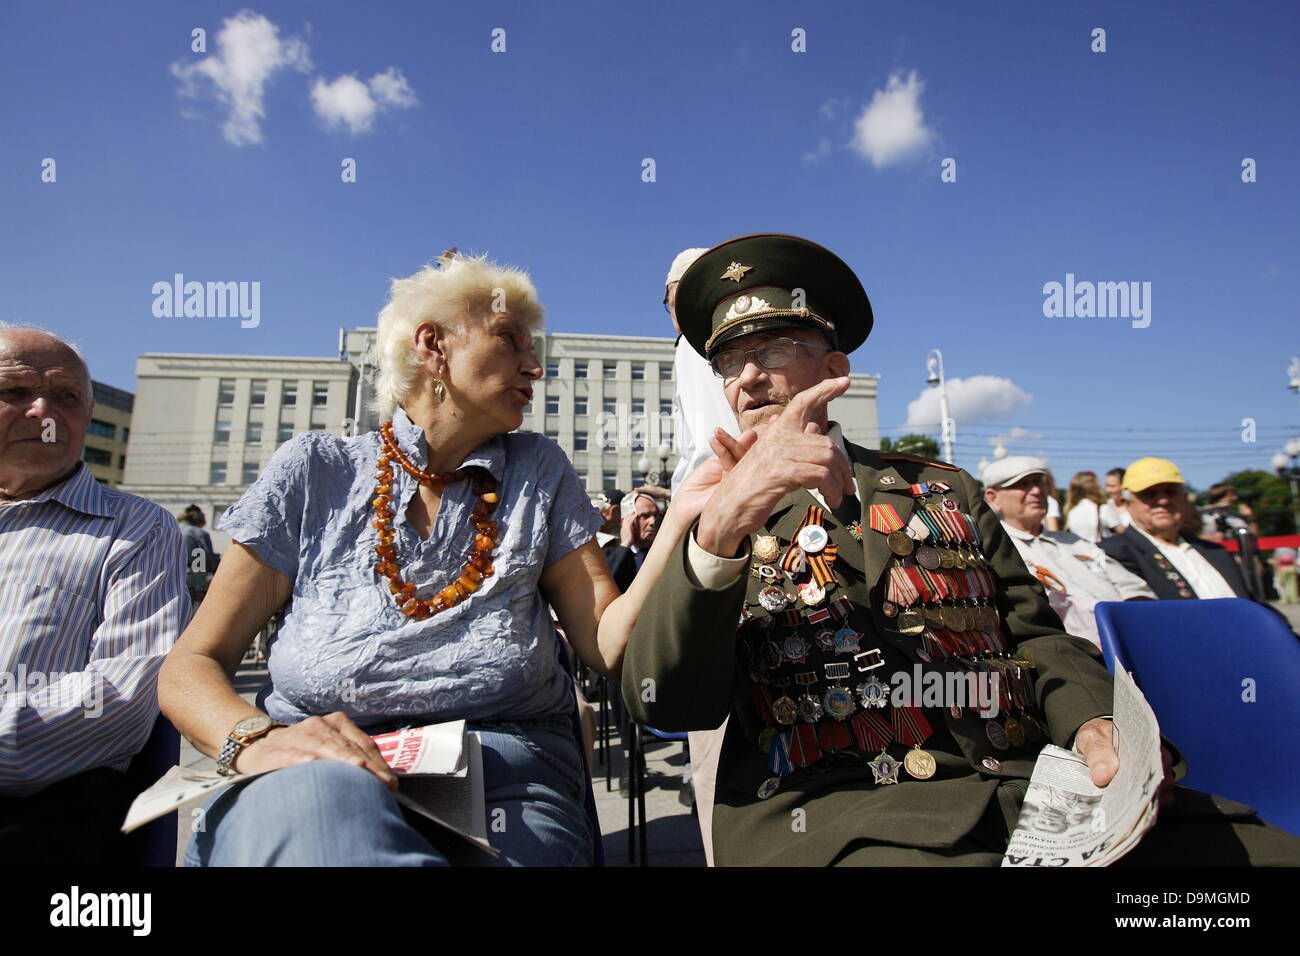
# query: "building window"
[[580, 404], [257, 393], [638, 371], [609, 405], [226, 391], [552, 404], [665, 406], [582, 478], [97, 456], [579, 369], [221, 434], [610, 369], [217, 474], [254, 433], [608, 480], [126, 434], [552, 369], [665, 372], [320, 394], [102, 429], [250, 473], [121, 461], [289, 395], [638, 406], [579, 441], [284, 433], [552, 434]]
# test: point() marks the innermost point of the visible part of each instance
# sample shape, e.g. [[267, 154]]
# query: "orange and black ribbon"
[[820, 563]]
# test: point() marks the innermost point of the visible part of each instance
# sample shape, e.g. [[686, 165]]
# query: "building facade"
[[206, 425], [108, 433]]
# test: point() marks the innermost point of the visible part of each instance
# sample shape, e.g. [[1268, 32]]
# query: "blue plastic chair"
[[1223, 677]]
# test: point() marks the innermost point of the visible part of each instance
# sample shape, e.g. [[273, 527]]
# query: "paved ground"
[[672, 832]]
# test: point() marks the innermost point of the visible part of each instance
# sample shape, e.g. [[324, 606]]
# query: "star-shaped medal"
[[855, 529], [884, 768], [735, 272]]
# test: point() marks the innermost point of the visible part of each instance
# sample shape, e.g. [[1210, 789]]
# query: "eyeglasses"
[[774, 353]]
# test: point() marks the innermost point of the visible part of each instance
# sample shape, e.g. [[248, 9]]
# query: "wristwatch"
[[244, 733]]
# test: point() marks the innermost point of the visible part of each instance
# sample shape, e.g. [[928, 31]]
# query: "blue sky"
[[1115, 166]]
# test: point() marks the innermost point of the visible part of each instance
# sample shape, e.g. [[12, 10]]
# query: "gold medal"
[[910, 622], [901, 543], [1015, 733], [945, 558], [766, 548], [920, 764]]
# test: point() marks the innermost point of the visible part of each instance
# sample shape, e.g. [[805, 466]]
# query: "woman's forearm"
[[196, 695]]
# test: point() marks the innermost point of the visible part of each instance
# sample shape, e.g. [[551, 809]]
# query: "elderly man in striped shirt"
[[92, 596]]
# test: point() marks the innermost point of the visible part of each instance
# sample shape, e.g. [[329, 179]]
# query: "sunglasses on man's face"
[[774, 353]]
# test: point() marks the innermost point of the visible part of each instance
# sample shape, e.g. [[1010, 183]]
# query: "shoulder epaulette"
[[901, 456]]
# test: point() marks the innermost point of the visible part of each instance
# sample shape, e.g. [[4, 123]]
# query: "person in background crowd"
[[1114, 513], [200, 560], [1083, 508], [1053, 519], [1225, 514], [699, 409], [1075, 572], [92, 597], [641, 513], [1156, 546], [1284, 574], [622, 565]]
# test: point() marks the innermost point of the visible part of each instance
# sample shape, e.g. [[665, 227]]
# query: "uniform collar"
[[491, 455], [1024, 535], [80, 492]]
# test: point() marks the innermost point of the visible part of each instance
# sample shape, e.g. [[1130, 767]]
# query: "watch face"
[[251, 725]]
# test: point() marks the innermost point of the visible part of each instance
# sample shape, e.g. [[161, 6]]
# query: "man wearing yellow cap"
[[1154, 548]]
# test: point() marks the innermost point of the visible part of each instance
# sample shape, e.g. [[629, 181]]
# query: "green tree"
[[921, 445]]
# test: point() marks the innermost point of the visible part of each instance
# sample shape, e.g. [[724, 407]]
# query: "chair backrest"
[[154, 844], [1223, 677]]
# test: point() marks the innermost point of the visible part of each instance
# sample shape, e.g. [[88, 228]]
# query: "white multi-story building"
[[204, 426]]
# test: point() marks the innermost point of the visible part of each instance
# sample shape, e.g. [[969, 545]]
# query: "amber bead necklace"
[[479, 563]]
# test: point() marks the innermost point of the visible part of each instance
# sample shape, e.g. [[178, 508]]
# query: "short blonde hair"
[[463, 289]]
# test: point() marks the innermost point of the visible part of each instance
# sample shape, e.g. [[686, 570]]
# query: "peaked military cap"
[[770, 281]]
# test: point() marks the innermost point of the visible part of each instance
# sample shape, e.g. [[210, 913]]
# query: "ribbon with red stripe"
[[763, 703], [871, 731], [833, 736], [910, 725], [884, 518], [803, 745]]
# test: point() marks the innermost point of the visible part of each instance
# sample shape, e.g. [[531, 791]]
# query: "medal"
[[825, 639], [873, 693], [996, 735], [920, 764], [773, 599], [884, 768], [813, 538], [785, 710], [955, 710], [810, 708], [900, 543], [910, 622], [1033, 728], [889, 609], [768, 787], [811, 593], [838, 702], [795, 648], [855, 530], [945, 558], [992, 764], [1015, 733], [845, 641], [766, 548], [927, 557]]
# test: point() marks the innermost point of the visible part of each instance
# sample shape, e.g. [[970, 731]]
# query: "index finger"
[[810, 404], [344, 726]]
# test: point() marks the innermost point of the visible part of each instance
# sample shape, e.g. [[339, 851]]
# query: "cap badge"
[[745, 305], [735, 272]]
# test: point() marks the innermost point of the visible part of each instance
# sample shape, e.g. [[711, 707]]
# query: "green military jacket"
[[690, 664]]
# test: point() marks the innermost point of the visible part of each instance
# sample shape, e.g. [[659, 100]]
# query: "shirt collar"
[[491, 455], [80, 492], [1181, 544], [1020, 535]]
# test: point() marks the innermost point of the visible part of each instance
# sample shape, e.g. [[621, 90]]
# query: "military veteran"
[[816, 570]]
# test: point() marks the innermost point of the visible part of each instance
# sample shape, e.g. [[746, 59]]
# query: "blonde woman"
[[1083, 507]]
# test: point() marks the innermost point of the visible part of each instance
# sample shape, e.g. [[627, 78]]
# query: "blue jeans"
[[329, 813]]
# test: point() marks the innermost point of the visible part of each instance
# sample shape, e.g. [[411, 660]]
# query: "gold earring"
[[439, 390]]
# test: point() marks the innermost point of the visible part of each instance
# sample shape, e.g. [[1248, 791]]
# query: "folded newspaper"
[[439, 769], [1068, 821]]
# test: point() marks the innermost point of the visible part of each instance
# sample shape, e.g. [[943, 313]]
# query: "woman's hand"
[[696, 489], [332, 737]]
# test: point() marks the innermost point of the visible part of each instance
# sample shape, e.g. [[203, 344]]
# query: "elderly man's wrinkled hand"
[[1096, 741], [332, 737]]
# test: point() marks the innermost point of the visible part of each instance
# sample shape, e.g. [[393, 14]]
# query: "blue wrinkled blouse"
[[345, 645]]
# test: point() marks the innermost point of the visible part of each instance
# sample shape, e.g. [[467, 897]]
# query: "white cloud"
[[892, 128], [979, 398], [249, 52], [821, 152], [346, 101], [1016, 434]]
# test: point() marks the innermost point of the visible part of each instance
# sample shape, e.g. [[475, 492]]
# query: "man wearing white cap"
[[1076, 573], [699, 407]]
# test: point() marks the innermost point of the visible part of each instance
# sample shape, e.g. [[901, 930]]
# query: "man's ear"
[[990, 495], [837, 363]]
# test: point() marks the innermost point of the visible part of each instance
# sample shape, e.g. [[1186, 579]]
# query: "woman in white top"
[[1083, 508]]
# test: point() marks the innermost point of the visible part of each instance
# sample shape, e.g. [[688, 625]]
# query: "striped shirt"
[[92, 596]]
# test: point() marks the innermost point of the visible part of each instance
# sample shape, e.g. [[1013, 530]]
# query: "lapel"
[[871, 473]]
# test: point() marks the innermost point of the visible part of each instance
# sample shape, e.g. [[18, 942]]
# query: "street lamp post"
[[660, 477], [1291, 472], [948, 428]]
